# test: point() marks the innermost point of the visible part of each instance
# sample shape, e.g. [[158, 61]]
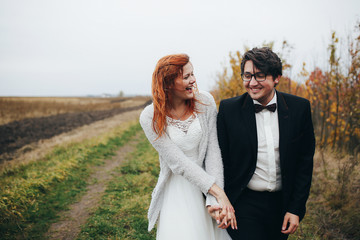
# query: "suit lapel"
[[248, 116], [284, 126]]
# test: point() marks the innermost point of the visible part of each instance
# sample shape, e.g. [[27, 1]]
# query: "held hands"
[[223, 216]]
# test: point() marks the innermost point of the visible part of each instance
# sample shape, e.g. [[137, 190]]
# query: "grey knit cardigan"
[[204, 173]]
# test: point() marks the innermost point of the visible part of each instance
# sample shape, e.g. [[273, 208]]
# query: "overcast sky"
[[77, 48]]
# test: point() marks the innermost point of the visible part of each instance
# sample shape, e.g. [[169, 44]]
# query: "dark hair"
[[265, 60]]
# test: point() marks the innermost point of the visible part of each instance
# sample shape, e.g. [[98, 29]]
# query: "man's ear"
[[276, 81]]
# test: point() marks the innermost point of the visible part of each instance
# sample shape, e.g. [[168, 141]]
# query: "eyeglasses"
[[259, 76]]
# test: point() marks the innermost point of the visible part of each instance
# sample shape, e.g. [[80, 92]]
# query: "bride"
[[181, 126]]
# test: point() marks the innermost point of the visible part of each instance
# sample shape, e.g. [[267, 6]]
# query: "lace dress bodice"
[[186, 135]]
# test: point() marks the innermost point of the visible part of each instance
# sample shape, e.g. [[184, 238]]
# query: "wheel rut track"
[[71, 220]]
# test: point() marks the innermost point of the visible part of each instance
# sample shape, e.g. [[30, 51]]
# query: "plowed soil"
[[17, 134]]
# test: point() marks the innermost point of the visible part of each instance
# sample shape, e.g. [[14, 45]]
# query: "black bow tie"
[[259, 108]]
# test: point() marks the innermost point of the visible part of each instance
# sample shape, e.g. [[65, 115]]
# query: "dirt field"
[[17, 134], [19, 108]]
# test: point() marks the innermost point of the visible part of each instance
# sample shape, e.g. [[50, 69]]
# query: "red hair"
[[167, 69]]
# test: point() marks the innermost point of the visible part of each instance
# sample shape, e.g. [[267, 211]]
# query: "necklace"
[[177, 117]]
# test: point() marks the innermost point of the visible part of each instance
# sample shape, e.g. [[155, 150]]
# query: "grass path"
[[71, 220], [32, 195], [122, 213]]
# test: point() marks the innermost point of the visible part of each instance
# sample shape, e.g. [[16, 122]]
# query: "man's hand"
[[293, 221]]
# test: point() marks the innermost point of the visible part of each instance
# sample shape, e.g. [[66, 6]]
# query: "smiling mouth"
[[255, 89], [189, 88]]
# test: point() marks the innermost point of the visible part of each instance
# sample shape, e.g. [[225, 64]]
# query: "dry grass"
[[18, 108], [334, 203]]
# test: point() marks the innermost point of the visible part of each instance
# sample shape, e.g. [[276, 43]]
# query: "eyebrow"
[[255, 72]]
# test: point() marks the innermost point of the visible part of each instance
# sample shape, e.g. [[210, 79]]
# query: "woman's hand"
[[227, 214], [214, 212]]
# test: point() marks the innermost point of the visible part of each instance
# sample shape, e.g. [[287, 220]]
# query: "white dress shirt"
[[267, 175]]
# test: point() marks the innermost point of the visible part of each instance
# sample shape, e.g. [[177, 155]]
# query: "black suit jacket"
[[237, 136]]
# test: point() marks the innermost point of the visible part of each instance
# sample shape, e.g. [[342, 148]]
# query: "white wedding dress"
[[183, 215]]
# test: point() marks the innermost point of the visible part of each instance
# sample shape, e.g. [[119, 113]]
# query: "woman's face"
[[183, 86]]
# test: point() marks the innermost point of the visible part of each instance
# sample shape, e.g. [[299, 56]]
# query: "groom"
[[267, 145]]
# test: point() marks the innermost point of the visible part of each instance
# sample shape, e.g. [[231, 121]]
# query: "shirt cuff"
[[211, 200]]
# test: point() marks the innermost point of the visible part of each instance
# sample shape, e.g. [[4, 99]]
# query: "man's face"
[[264, 91]]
